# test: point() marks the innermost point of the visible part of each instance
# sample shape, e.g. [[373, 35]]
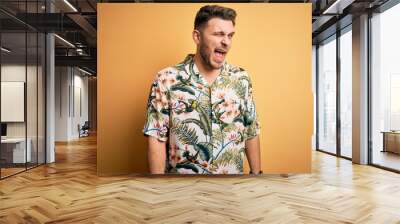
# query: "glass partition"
[[13, 95], [22, 88]]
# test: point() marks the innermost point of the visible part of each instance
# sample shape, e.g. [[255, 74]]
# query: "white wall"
[[71, 93], [33, 127], [12, 73], [62, 78]]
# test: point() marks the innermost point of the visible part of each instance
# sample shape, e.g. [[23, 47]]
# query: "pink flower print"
[[232, 136], [240, 126], [172, 81], [166, 121], [200, 87], [185, 171], [174, 157], [157, 125], [174, 105], [227, 169], [164, 81], [204, 164], [181, 97]]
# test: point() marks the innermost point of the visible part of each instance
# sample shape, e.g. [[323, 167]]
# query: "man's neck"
[[208, 73]]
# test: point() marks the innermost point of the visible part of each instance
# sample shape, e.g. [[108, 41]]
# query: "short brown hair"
[[213, 11]]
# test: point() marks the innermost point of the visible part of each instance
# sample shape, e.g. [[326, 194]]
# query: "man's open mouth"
[[220, 54]]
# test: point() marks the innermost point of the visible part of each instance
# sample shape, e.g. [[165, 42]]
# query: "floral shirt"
[[206, 125]]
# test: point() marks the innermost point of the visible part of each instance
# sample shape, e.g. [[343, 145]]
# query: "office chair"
[[84, 130]]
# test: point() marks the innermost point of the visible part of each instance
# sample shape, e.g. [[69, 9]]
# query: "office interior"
[[49, 90], [48, 77]]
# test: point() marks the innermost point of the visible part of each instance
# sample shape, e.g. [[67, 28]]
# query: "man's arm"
[[253, 154], [156, 155]]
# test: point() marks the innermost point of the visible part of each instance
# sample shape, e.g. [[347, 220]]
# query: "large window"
[[385, 88], [327, 95], [334, 73], [346, 93]]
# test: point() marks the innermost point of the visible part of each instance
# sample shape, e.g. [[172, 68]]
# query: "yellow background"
[[272, 42]]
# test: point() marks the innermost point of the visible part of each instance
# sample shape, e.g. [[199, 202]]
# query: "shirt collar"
[[191, 68]]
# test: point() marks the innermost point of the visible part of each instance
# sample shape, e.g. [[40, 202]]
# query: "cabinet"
[[391, 142], [13, 150]]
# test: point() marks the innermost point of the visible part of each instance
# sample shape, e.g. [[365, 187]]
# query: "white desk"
[[18, 154]]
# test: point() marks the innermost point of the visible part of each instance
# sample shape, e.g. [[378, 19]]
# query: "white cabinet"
[[19, 155]]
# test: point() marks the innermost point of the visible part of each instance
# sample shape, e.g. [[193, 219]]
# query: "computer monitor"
[[3, 129]]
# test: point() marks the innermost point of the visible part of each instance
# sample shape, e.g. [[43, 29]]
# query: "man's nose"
[[225, 41]]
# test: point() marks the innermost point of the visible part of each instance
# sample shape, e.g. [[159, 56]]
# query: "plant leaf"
[[182, 88], [187, 166], [185, 134], [205, 150]]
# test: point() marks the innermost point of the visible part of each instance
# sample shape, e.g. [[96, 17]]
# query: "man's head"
[[214, 28]]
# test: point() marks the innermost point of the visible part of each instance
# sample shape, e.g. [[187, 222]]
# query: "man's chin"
[[216, 65]]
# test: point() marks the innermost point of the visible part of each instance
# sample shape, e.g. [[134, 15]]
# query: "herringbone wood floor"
[[70, 192]]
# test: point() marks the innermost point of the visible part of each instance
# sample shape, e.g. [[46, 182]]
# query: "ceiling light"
[[84, 71], [5, 50], [70, 5], [64, 40], [338, 6]]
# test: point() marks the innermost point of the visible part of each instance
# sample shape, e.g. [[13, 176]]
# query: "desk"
[[391, 141], [15, 148]]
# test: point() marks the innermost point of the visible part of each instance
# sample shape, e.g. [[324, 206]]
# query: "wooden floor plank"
[[69, 191]]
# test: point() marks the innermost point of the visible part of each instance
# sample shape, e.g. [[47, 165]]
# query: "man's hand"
[[156, 155], [253, 154]]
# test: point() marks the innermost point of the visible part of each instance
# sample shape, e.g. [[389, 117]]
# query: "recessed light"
[[71, 6], [84, 71], [64, 40], [5, 50]]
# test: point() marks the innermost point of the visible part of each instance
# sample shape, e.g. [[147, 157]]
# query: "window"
[[385, 88], [346, 93], [327, 96]]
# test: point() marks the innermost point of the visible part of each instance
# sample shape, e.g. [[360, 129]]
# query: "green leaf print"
[[187, 166], [165, 111], [230, 156], [205, 120], [204, 123], [240, 89], [198, 123], [191, 69], [248, 118], [205, 149], [185, 134], [182, 88], [239, 119]]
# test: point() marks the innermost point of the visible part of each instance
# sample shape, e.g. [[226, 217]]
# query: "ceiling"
[[76, 22]]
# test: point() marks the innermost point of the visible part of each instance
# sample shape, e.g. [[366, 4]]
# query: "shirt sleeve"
[[157, 117], [251, 122]]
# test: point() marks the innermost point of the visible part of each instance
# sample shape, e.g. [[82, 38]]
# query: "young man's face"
[[215, 40]]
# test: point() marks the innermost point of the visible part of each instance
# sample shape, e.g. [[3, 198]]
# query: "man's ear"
[[196, 36]]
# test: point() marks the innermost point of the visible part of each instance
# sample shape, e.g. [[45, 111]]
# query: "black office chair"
[[84, 130]]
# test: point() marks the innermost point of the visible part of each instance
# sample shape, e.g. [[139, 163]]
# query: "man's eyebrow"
[[222, 32]]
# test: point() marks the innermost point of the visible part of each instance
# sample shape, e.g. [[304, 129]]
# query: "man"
[[203, 108]]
